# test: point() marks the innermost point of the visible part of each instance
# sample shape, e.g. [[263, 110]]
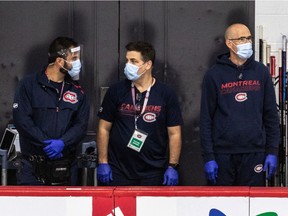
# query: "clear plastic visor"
[[75, 53]]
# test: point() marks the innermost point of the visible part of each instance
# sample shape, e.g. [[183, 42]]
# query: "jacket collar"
[[43, 79]]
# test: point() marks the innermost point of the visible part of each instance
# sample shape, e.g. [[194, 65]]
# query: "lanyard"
[[62, 88], [144, 104]]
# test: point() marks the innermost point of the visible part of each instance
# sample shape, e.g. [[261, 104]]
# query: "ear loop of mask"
[[63, 69], [235, 46], [143, 71]]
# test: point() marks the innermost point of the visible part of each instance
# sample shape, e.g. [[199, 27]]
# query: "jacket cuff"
[[273, 151], [209, 157]]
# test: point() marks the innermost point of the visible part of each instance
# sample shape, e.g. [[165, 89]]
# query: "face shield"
[[73, 56], [76, 62], [75, 52]]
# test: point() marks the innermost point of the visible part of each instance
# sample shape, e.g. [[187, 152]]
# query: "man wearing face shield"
[[239, 121], [139, 134], [51, 112]]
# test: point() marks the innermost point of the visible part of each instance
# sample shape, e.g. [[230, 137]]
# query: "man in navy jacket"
[[239, 119], [51, 113]]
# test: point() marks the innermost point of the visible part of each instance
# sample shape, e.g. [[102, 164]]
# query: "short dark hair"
[[146, 49], [60, 47]]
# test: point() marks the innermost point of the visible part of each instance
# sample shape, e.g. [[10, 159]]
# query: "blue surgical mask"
[[76, 68], [244, 51], [131, 72]]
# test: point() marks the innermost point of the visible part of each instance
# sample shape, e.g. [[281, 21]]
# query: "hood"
[[224, 59]]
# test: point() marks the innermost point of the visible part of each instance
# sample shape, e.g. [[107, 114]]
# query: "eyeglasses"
[[243, 39], [138, 101]]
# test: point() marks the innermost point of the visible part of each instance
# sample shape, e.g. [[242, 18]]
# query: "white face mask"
[[244, 51], [131, 71], [75, 70]]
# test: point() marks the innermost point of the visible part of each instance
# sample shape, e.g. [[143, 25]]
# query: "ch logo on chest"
[[149, 117], [70, 97], [241, 97]]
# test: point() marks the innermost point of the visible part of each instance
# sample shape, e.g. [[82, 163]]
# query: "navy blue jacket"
[[238, 109], [39, 114]]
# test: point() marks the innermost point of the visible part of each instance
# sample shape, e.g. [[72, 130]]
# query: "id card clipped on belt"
[[137, 140]]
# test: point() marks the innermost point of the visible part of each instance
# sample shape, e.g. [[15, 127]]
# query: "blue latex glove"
[[104, 173], [170, 177], [211, 169], [270, 165], [53, 148]]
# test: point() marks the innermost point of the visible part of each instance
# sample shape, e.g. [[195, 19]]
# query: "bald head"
[[237, 30], [236, 35]]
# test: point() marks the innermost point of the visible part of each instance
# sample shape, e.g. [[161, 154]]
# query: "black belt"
[[32, 158], [41, 158]]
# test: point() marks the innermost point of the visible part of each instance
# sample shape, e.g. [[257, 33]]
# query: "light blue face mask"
[[131, 71], [76, 68], [244, 51]]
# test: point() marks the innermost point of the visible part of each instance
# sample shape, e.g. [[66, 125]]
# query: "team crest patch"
[[149, 117], [258, 168], [240, 97], [70, 97], [15, 105]]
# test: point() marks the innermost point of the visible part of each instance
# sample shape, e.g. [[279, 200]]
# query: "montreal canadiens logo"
[[240, 97], [149, 117], [70, 97], [258, 168]]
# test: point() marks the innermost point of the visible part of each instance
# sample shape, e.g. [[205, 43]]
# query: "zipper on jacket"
[[240, 72], [60, 95]]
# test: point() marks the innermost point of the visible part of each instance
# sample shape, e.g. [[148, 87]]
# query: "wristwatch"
[[174, 165]]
